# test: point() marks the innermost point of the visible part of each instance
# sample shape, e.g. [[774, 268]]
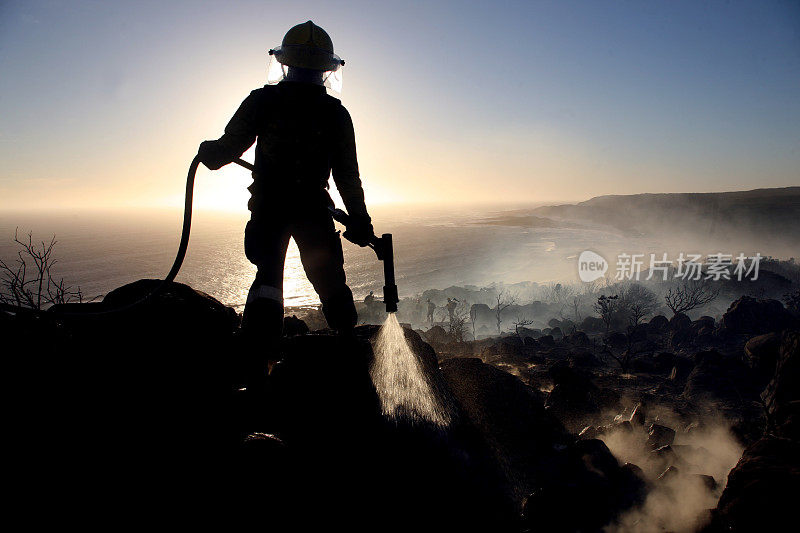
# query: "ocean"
[[435, 247]]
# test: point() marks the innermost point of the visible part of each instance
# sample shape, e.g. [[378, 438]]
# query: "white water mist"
[[405, 391]]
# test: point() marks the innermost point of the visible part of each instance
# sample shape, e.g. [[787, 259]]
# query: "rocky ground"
[[149, 416]]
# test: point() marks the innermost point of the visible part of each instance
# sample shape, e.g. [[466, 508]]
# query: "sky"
[[103, 104]]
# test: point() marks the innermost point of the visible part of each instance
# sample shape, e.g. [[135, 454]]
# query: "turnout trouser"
[[265, 243]]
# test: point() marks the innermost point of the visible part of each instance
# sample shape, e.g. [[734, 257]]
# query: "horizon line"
[[423, 203]]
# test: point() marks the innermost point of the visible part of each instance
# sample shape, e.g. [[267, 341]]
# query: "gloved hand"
[[359, 231], [212, 156]]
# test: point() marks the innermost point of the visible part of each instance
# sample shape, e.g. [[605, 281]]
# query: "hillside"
[[760, 216]]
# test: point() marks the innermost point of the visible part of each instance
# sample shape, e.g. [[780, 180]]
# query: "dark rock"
[[556, 333], [554, 323], [782, 395], [319, 370], [681, 370], [575, 396], [422, 349], [680, 332], [721, 378], [643, 365], [681, 339], [635, 470], [482, 312], [705, 338], [592, 324], [660, 436], [664, 362], [584, 359], [762, 354], [520, 434], [555, 353], [530, 342], [148, 398], [616, 340], [512, 340], [752, 316], [437, 335], [263, 441], [593, 482], [175, 307], [708, 320], [312, 316], [293, 326], [707, 482], [679, 322], [639, 333], [547, 340], [579, 338], [456, 348], [529, 333], [700, 327], [563, 374], [596, 454], [659, 324], [762, 489], [567, 326], [270, 476], [264, 453], [510, 349]]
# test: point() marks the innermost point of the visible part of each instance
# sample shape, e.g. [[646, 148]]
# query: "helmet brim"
[[309, 57]]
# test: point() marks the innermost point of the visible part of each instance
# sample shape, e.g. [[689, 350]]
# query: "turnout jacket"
[[304, 135]]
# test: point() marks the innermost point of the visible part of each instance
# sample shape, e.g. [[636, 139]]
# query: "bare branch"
[[690, 295], [31, 283], [504, 301]]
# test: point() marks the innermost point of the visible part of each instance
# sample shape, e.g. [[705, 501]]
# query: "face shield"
[[333, 81], [275, 71]]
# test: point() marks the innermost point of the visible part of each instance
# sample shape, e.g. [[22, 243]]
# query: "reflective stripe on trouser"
[[266, 240], [265, 291]]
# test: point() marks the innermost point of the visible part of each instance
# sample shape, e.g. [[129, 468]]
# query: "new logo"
[[591, 266]]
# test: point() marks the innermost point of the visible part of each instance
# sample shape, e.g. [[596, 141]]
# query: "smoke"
[[677, 501]]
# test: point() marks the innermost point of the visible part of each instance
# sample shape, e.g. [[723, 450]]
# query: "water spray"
[[405, 389], [385, 251]]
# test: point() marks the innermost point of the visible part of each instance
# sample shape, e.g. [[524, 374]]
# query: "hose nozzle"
[[384, 249]]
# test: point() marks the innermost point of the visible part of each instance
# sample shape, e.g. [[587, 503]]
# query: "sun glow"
[[222, 190]]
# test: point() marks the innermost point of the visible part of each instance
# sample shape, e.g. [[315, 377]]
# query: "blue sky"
[[104, 103]]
